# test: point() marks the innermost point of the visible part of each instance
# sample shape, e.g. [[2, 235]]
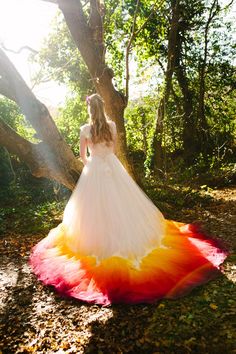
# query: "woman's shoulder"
[[84, 126], [85, 130], [112, 125], [111, 122]]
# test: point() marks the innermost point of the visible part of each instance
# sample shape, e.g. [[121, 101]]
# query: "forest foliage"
[[197, 129]]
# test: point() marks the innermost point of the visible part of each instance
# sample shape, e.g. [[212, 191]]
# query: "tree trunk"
[[204, 134], [157, 160], [144, 130], [203, 126], [190, 140]]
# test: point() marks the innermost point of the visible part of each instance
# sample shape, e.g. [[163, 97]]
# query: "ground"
[[34, 319]]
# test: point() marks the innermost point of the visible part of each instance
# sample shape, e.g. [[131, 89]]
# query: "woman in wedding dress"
[[113, 244]]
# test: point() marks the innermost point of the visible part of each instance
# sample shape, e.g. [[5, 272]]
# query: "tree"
[[51, 157], [205, 135], [166, 91], [190, 21], [86, 27], [199, 53]]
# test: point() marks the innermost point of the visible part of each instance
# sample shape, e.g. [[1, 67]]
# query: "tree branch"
[[25, 47], [38, 157], [228, 5], [14, 87], [35, 111]]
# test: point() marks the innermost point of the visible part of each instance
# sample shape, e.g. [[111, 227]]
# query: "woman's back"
[[101, 148]]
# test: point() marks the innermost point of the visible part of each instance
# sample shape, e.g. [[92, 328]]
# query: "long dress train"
[[114, 245]]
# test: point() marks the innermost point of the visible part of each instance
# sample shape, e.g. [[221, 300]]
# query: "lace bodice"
[[99, 149]]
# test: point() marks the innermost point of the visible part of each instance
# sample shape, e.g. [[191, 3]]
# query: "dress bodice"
[[101, 149]]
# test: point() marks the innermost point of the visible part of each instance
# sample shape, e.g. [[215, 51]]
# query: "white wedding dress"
[[114, 245], [108, 208]]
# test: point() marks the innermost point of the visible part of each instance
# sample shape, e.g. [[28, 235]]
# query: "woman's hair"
[[100, 130]]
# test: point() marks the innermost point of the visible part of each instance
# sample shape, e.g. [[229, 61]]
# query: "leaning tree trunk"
[[88, 37], [51, 157], [157, 160]]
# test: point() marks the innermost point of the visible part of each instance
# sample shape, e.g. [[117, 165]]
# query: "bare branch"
[[26, 47], [161, 66]]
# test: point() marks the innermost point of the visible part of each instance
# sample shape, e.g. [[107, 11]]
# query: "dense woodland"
[[167, 73]]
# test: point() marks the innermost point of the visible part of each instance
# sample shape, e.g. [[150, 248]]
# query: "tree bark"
[[202, 121], [157, 159], [190, 138], [53, 150]]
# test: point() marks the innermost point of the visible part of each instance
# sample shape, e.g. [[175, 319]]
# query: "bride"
[[113, 244]]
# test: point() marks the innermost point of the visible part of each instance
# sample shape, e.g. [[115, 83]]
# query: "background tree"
[[51, 157]]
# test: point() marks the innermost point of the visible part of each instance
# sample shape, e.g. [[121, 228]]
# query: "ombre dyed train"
[[114, 245]]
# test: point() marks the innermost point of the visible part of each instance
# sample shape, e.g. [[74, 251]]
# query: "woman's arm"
[[83, 148], [114, 135]]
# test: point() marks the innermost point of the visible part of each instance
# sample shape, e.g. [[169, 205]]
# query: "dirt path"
[[34, 319]]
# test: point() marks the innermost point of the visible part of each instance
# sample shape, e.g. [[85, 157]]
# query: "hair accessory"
[[88, 99]]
